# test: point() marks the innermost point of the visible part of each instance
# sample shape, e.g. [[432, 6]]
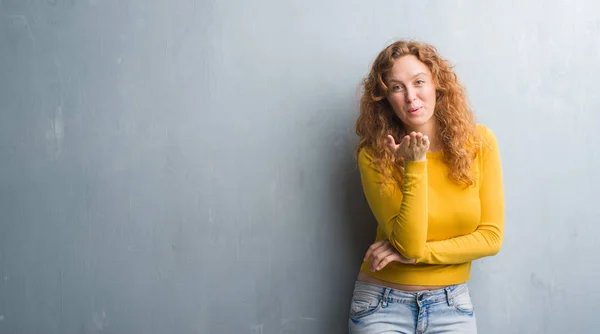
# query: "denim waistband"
[[390, 295]]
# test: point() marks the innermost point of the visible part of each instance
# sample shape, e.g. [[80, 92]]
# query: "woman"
[[433, 180]]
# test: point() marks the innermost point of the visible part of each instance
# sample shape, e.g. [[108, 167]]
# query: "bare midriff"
[[363, 277]]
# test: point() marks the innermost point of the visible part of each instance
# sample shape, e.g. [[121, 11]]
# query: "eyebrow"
[[414, 76]]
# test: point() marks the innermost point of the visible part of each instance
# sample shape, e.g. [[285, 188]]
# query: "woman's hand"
[[382, 253], [413, 147]]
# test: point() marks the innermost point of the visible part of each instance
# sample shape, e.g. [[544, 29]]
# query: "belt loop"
[[384, 299], [449, 297]]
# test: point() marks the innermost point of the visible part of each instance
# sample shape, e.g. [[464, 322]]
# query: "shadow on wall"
[[358, 224], [354, 227]]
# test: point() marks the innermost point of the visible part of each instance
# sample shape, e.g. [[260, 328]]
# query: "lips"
[[414, 110]]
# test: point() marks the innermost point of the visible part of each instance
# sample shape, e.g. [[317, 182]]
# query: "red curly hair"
[[455, 120]]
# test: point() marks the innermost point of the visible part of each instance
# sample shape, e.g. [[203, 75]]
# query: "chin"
[[418, 122], [413, 125]]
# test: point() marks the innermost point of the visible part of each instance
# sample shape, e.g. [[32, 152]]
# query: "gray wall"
[[186, 166]]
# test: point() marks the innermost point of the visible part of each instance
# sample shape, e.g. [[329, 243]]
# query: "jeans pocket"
[[463, 303], [363, 305]]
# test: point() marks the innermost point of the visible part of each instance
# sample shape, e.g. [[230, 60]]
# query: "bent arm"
[[487, 239], [401, 213]]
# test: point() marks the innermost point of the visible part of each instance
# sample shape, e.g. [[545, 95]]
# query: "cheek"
[[430, 94], [396, 101], [398, 110]]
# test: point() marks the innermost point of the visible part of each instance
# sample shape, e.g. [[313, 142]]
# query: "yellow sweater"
[[440, 223]]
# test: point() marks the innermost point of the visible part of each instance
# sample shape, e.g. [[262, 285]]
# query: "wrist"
[[423, 158]]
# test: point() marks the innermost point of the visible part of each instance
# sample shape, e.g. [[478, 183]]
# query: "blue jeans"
[[378, 309]]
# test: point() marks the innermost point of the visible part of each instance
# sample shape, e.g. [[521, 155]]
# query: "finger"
[[426, 141], [391, 140], [388, 259], [413, 140], [372, 248], [405, 142], [377, 248], [380, 257], [391, 144], [382, 251], [419, 139], [385, 246]]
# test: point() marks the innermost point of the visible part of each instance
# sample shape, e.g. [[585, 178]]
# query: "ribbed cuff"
[[415, 167]]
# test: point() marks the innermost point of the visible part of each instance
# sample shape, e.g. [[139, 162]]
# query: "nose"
[[410, 95]]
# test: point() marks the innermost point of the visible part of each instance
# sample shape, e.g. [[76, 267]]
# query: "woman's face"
[[412, 93]]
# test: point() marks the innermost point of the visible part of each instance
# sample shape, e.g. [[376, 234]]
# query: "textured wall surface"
[[187, 166]]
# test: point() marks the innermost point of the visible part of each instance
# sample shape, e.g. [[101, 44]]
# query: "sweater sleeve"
[[400, 213], [487, 238]]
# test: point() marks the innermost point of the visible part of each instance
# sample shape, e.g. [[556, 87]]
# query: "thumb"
[[391, 143]]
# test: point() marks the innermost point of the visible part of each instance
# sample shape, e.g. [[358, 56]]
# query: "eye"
[[396, 88], [420, 82]]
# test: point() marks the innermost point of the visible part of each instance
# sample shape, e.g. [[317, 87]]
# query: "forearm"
[[401, 213], [408, 229], [487, 238], [485, 241]]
